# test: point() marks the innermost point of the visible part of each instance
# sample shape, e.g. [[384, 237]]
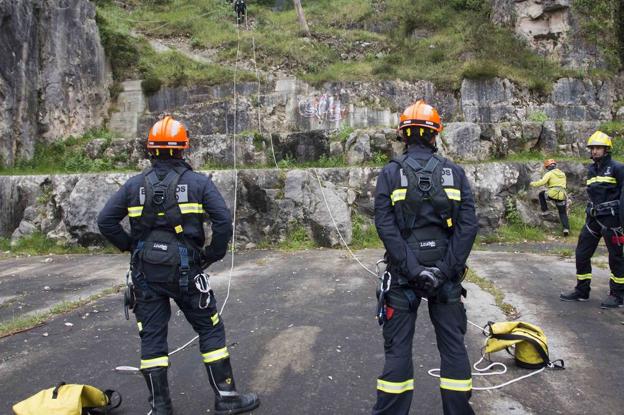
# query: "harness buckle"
[[424, 183], [159, 197]]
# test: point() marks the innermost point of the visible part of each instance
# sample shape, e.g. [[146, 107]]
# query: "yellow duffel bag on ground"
[[528, 341], [69, 400]]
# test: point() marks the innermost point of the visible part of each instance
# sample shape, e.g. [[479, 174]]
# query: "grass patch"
[[38, 244], [65, 156], [132, 57], [499, 297], [351, 40], [364, 233], [296, 240], [27, 322]]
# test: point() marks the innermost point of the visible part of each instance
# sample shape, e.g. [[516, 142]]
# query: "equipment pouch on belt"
[[160, 257]]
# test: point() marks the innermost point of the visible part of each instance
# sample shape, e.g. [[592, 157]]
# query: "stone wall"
[[271, 202], [53, 73]]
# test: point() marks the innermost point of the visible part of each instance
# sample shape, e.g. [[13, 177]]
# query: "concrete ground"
[[301, 333]]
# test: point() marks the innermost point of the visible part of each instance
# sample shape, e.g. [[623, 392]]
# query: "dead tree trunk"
[[302, 20]]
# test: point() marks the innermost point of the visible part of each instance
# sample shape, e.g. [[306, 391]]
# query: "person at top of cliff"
[[555, 181], [167, 205], [241, 9], [604, 219]]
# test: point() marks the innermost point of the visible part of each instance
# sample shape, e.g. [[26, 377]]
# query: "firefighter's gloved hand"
[[429, 281]]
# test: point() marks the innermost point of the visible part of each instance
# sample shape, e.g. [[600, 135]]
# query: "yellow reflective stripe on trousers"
[[617, 280], [583, 277], [453, 194], [601, 179], [395, 387], [459, 385], [156, 362], [185, 208], [215, 355], [398, 194]]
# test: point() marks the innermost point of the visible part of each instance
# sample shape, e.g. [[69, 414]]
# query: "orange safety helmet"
[[168, 133], [549, 162], [420, 114]]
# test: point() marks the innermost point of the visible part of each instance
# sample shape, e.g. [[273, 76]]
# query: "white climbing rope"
[[258, 95]]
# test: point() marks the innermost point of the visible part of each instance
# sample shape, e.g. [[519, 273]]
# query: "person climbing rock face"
[[240, 8], [605, 178], [166, 205], [555, 181], [425, 216]]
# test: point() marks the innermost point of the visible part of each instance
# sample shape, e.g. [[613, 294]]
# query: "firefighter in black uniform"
[[166, 205], [425, 216], [240, 8], [605, 179]]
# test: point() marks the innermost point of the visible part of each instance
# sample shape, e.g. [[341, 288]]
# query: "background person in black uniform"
[[166, 206], [605, 178], [425, 216]]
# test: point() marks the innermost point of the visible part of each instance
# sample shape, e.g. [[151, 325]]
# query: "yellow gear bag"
[[528, 340], [68, 400]]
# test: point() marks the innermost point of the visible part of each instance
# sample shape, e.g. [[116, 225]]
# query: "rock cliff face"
[[53, 73], [271, 203], [550, 27]]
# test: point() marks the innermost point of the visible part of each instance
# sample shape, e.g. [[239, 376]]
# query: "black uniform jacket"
[[605, 180], [460, 239], [197, 196]]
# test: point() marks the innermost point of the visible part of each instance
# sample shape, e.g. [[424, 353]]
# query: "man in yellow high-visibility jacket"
[[555, 180]]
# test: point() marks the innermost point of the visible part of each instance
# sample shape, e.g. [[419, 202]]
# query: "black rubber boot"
[[227, 399], [159, 400], [613, 300], [574, 295]]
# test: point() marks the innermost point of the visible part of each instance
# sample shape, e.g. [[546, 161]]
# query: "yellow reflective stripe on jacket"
[[601, 179], [185, 208], [398, 194], [135, 211], [395, 387], [460, 385], [583, 276], [215, 355], [617, 280], [156, 362], [215, 319], [191, 208], [453, 194]]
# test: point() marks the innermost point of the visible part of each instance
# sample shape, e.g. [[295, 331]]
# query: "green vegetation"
[[364, 233], [27, 322], [38, 244], [66, 156], [131, 55], [601, 24], [489, 287], [296, 240], [515, 231], [537, 116], [424, 39], [615, 129]]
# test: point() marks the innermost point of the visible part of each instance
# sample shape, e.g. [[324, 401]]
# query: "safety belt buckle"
[[424, 183]]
